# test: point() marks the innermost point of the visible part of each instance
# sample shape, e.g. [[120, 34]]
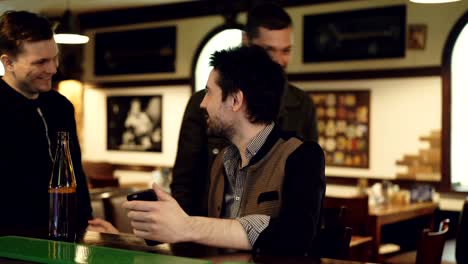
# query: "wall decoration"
[[134, 123], [426, 165], [355, 35], [343, 126], [139, 51], [417, 36]]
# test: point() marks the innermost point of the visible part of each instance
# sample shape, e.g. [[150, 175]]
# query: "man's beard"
[[215, 127]]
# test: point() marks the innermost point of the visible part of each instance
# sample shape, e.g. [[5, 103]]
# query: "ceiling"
[[56, 7]]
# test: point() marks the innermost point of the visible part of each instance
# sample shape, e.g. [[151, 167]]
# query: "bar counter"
[[94, 247]]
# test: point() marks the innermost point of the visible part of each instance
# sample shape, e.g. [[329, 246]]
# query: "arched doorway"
[[222, 37], [455, 108]]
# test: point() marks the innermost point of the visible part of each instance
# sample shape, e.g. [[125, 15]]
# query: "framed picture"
[[134, 123], [355, 35], [417, 36], [138, 51], [343, 125]]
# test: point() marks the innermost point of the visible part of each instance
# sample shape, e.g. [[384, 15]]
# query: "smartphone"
[[145, 195]]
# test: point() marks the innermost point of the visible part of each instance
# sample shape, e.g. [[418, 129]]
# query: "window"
[[220, 39], [459, 111], [455, 109]]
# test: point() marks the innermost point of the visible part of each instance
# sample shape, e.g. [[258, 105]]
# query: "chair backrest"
[[357, 211], [333, 238], [100, 174], [461, 248], [333, 217], [431, 244], [334, 242]]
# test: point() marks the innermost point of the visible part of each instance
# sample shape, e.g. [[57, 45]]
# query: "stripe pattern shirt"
[[235, 181]]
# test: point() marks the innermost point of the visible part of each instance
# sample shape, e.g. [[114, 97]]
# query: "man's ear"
[[7, 62], [237, 100]]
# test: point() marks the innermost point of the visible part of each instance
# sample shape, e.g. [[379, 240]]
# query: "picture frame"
[[417, 35], [343, 124], [134, 123], [137, 51], [355, 35]]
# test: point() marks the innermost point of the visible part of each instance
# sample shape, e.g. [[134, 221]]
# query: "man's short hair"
[[261, 80], [269, 16], [17, 27]]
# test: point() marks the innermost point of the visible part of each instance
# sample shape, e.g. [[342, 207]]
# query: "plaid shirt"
[[253, 224]]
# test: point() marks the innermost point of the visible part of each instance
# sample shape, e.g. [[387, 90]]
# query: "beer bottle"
[[62, 193]]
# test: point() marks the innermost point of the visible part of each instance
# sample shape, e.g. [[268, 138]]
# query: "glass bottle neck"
[[63, 175]]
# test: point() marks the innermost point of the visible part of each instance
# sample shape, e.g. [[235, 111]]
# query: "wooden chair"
[[356, 217], [333, 238], [430, 247], [461, 244], [333, 217], [357, 211], [100, 174]]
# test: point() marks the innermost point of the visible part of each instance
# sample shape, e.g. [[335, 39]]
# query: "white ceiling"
[[56, 7]]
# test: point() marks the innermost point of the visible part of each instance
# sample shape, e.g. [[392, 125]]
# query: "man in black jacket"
[[270, 27], [31, 115]]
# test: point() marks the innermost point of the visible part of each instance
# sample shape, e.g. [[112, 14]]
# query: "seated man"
[[266, 188]]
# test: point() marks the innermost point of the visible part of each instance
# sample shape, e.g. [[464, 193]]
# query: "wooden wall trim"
[[297, 77], [403, 183], [367, 74], [121, 84], [190, 9]]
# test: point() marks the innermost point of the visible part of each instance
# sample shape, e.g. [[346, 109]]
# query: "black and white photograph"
[[134, 123]]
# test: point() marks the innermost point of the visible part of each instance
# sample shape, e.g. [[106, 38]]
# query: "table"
[[394, 213], [99, 247]]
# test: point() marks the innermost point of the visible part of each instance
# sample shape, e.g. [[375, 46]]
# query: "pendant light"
[[68, 31]]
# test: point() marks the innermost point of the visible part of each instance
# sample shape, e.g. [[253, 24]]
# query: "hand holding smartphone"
[[145, 195]]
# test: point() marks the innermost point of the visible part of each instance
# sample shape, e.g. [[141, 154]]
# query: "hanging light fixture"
[[68, 31], [433, 1]]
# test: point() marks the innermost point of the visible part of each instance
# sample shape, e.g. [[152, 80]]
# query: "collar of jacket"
[[289, 100], [270, 141], [14, 99]]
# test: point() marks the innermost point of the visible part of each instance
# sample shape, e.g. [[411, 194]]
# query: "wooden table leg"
[[375, 231]]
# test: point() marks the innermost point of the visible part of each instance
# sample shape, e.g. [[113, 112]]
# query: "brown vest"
[[262, 192]]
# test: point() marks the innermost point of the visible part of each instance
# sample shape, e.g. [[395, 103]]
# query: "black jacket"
[[25, 163], [196, 150]]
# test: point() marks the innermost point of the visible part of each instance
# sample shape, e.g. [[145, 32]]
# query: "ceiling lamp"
[[68, 31], [433, 1]]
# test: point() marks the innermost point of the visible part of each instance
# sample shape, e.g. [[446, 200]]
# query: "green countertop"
[[48, 251]]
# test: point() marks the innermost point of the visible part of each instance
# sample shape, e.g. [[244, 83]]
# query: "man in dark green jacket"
[[269, 27]]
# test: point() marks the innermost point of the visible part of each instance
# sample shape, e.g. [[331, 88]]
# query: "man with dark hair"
[[270, 27], [267, 186], [31, 115]]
